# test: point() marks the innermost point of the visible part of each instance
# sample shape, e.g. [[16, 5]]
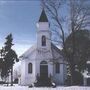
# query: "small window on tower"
[[43, 41]]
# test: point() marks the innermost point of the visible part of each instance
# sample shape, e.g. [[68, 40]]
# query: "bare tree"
[[52, 7], [78, 17], [79, 14]]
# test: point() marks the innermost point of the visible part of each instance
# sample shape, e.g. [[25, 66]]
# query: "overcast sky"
[[19, 17]]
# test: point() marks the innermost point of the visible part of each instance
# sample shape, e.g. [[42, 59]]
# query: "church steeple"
[[43, 17], [43, 33]]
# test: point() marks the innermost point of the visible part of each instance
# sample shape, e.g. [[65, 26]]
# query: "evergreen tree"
[[3, 66], [9, 58], [81, 53], [82, 49]]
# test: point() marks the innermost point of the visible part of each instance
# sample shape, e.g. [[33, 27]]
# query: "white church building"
[[44, 59]]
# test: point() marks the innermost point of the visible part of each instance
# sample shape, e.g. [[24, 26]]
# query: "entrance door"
[[43, 70]]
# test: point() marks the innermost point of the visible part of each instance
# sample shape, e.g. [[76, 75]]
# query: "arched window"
[[57, 67], [43, 40], [30, 68]]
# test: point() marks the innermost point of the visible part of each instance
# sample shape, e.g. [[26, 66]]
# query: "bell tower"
[[43, 33]]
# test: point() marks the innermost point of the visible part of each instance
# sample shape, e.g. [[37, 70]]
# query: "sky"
[[19, 17]]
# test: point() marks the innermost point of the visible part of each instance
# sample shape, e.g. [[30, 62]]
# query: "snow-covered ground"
[[16, 87]]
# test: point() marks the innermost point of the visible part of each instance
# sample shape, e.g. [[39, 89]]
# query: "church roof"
[[43, 17], [31, 54], [56, 48]]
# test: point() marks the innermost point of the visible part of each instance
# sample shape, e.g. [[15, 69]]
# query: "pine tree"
[[9, 58], [3, 66]]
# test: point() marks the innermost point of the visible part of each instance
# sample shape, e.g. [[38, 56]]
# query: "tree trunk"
[[12, 76], [72, 70], [72, 75]]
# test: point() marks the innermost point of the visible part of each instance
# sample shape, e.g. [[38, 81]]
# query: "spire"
[[43, 17]]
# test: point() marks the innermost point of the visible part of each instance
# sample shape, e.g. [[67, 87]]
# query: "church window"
[[57, 68], [30, 68], [43, 40]]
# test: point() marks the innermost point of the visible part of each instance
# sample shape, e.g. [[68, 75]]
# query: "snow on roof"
[[28, 52], [56, 48], [31, 54]]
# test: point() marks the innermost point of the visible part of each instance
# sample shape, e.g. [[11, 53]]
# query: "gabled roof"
[[33, 54], [28, 53], [43, 17], [56, 48]]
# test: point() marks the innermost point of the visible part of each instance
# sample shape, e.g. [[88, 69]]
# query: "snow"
[[16, 87]]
